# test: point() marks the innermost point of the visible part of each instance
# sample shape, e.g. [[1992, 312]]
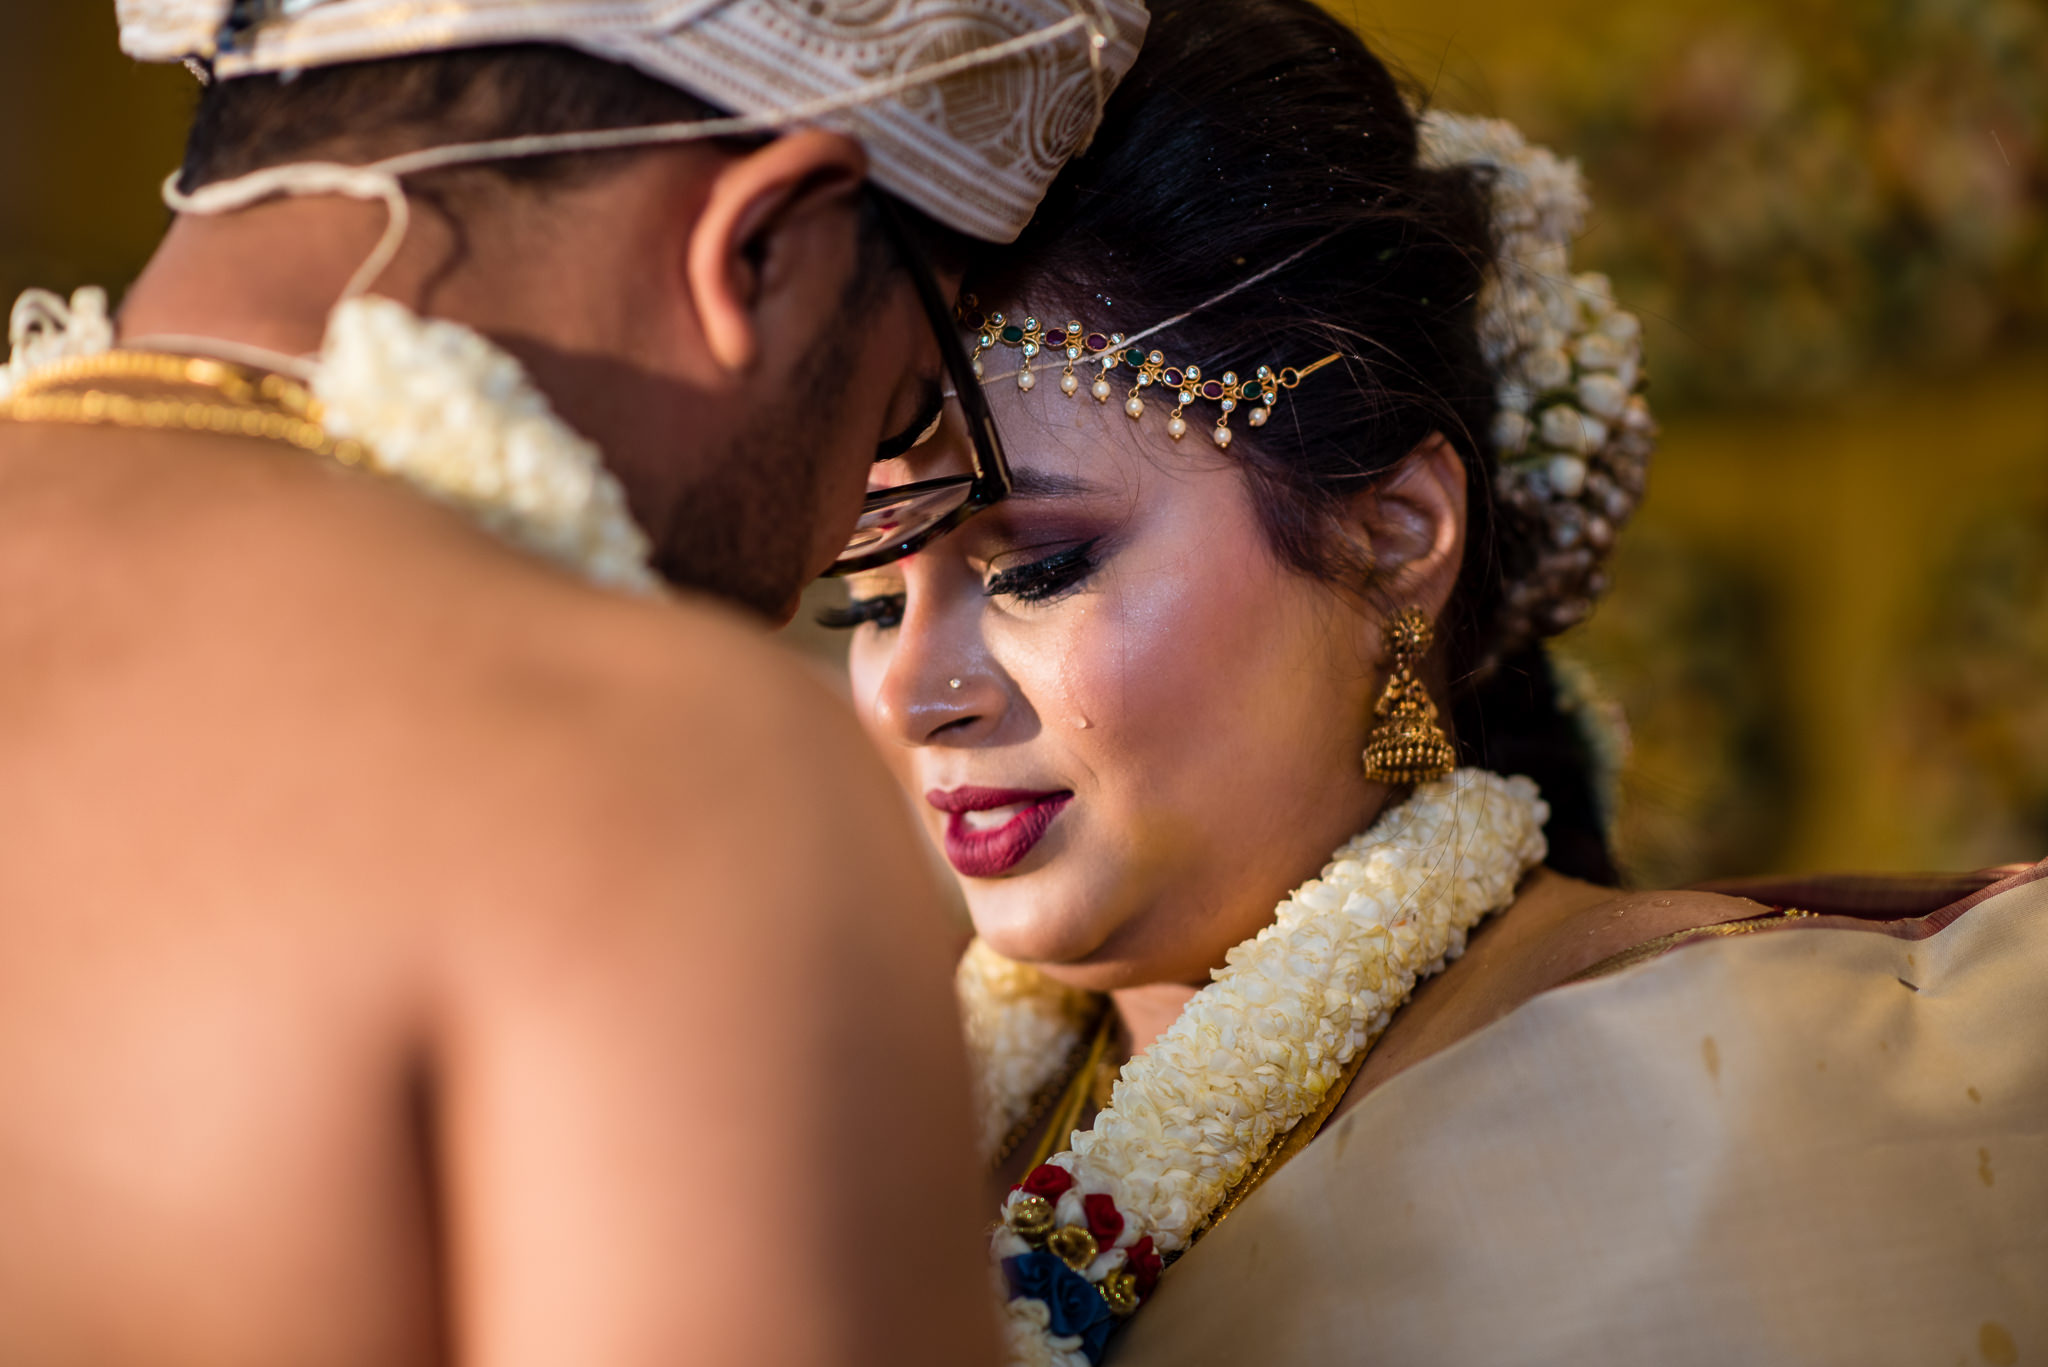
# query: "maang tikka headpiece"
[[1076, 346]]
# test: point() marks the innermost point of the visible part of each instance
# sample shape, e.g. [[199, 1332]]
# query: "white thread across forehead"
[[967, 108]]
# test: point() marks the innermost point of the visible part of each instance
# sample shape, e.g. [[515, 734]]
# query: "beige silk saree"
[[1811, 1146]]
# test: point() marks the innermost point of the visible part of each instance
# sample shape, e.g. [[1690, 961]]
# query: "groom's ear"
[[1412, 521], [774, 240]]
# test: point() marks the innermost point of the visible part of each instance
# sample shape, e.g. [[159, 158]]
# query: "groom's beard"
[[747, 532]]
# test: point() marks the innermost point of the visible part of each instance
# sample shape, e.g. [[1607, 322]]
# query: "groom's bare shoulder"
[[400, 678], [280, 590], [300, 758]]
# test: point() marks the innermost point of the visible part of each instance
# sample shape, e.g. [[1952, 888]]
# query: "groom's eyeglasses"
[[900, 521]]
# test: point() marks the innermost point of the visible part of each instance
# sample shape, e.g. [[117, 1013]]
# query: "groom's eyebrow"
[[1027, 483]]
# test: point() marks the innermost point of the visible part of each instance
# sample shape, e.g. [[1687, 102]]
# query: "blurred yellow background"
[[1829, 635]]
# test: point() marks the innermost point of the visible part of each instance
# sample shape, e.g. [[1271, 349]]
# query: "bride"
[[1314, 439]]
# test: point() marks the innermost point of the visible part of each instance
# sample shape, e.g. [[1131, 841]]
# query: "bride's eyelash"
[[1037, 582], [885, 611], [1045, 579]]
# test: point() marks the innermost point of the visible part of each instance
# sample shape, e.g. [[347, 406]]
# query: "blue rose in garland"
[[1077, 1307]]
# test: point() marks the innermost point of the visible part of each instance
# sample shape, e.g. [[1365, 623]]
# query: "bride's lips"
[[984, 845]]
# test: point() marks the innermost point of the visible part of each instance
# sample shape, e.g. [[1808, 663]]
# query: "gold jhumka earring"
[[1407, 746]]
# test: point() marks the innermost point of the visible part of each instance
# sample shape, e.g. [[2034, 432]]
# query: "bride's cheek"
[[1117, 675]]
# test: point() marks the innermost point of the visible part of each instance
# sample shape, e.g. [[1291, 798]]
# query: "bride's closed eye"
[[1045, 579], [1039, 581]]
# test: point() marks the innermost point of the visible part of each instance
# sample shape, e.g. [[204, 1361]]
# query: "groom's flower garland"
[[436, 405], [1083, 1237], [451, 413]]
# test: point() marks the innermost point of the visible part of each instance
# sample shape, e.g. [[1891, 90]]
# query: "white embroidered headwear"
[[967, 108]]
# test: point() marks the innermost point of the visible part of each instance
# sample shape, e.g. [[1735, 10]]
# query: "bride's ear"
[[1412, 522]]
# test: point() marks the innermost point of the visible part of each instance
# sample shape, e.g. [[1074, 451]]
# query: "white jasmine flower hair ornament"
[[1572, 428]]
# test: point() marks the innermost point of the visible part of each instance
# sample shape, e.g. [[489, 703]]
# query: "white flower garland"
[[1260, 1047], [436, 405]]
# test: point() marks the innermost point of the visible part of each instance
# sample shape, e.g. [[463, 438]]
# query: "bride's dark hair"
[[1258, 132]]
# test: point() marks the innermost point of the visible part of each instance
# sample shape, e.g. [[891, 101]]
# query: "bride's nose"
[[930, 694]]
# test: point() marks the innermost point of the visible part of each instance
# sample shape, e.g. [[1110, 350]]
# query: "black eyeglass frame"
[[990, 483]]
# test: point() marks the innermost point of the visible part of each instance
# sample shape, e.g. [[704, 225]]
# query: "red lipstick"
[[977, 849]]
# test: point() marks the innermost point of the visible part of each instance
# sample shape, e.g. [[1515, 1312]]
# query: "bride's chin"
[[1101, 974], [1024, 923], [1077, 950], [1033, 940]]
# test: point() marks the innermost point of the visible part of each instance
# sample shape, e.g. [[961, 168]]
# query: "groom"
[[410, 952]]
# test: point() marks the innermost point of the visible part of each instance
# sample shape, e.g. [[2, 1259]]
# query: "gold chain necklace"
[[249, 403]]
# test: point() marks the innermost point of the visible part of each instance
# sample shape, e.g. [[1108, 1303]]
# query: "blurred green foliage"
[[1811, 192]]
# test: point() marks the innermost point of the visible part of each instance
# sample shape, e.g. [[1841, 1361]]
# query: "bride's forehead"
[[1075, 435]]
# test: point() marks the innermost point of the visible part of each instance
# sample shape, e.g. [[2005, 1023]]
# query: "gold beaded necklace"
[[245, 403]]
